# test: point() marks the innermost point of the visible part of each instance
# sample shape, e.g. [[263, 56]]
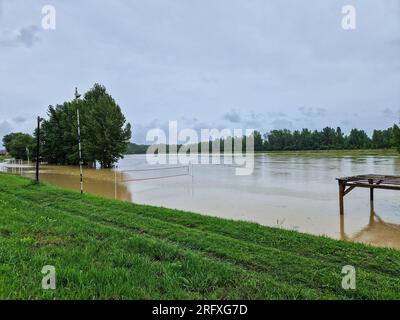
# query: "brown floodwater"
[[291, 192]]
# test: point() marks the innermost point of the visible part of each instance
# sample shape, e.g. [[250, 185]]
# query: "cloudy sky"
[[260, 64]]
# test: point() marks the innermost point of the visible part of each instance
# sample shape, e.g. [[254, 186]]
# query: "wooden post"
[[342, 230], [341, 197], [371, 195], [37, 149]]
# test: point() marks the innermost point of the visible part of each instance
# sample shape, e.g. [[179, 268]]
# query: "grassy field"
[[104, 249], [338, 153]]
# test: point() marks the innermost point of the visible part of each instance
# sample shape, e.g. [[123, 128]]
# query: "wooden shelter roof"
[[372, 180]]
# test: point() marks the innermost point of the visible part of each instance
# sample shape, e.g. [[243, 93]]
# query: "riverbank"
[[104, 249], [338, 153], [322, 153]]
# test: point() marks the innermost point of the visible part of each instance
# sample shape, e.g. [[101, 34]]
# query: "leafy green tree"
[[19, 145], [59, 135], [105, 135], [258, 141], [358, 139], [7, 141], [396, 137]]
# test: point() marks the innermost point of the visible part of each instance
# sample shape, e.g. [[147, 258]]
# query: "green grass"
[[338, 153], [104, 249]]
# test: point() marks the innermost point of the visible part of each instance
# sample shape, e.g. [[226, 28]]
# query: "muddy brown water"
[[292, 192]]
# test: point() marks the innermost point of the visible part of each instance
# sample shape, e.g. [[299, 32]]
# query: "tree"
[[7, 141], [358, 139], [18, 144], [105, 135], [258, 141], [396, 137], [59, 135]]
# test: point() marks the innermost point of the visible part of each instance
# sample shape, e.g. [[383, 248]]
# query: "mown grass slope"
[[105, 249]]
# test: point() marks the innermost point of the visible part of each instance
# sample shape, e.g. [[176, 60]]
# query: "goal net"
[[153, 173]]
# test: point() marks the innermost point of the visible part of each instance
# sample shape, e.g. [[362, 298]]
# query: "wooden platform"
[[370, 181]]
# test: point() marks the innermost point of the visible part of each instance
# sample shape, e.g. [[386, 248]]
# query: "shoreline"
[[327, 153]]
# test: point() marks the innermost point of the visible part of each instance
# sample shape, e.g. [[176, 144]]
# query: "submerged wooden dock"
[[370, 181]]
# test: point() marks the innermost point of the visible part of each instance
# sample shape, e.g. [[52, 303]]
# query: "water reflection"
[[98, 182], [377, 232]]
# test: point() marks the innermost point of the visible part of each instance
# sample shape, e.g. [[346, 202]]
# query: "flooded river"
[[292, 192]]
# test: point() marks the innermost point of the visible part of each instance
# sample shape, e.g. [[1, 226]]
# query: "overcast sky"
[[260, 64]]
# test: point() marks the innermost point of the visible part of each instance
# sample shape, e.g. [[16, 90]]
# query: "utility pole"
[[77, 96], [37, 148]]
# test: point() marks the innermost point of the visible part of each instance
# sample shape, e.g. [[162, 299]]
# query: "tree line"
[[326, 139], [305, 139], [105, 134]]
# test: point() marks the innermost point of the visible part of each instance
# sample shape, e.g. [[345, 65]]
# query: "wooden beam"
[[373, 186], [349, 190]]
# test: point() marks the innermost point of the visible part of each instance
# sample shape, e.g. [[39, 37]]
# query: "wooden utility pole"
[[38, 148]]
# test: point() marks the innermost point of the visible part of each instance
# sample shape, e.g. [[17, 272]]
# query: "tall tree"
[[104, 132], [19, 145]]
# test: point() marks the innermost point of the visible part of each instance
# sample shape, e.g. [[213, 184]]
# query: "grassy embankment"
[[104, 249]]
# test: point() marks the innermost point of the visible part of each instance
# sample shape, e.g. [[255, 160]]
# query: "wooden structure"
[[370, 181]]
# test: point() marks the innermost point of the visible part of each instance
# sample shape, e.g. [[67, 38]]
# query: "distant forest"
[[326, 139]]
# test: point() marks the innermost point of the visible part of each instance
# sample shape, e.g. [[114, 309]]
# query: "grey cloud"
[[254, 120], [19, 123], [26, 36], [5, 128], [277, 114], [21, 119], [232, 116], [311, 112], [390, 113], [281, 55], [247, 120]]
